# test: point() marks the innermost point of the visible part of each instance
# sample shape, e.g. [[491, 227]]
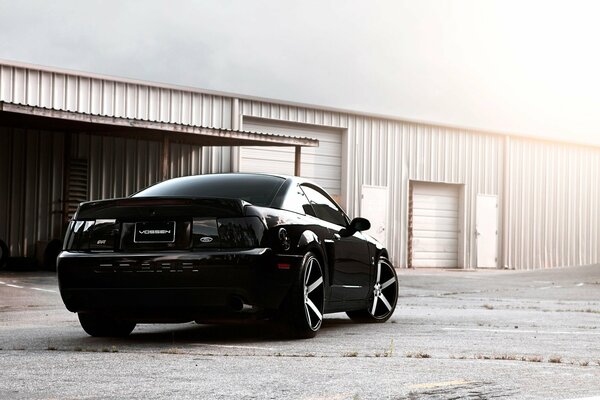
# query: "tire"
[[304, 309], [50, 254], [3, 254], [383, 298], [99, 325]]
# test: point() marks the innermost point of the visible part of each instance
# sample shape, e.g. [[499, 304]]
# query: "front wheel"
[[99, 325], [383, 297], [304, 310]]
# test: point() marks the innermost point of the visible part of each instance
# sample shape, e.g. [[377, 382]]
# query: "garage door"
[[435, 225], [321, 164]]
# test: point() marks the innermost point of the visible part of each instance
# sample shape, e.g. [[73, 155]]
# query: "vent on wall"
[[77, 189]]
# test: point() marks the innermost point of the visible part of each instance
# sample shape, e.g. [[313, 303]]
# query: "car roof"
[[297, 179]]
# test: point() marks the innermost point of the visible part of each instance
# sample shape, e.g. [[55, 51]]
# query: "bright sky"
[[526, 66]]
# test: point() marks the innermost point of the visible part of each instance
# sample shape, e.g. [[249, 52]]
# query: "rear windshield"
[[256, 189]]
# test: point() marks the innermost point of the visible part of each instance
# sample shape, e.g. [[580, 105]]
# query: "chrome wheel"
[[303, 308], [313, 293], [381, 303], [385, 291]]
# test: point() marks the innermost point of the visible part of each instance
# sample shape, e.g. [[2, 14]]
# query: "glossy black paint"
[[226, 252]]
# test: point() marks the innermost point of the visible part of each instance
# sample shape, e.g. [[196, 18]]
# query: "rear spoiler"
[[156, 207]]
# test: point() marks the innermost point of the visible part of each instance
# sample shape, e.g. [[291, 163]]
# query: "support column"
[[66, 183], [504, 238], [166, 156], [297, 160]]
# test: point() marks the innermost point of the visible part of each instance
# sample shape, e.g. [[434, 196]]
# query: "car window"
[[255, 189], [324, 208], [296, 201]]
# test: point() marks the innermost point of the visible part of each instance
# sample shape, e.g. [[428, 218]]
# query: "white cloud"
[[527, 66]]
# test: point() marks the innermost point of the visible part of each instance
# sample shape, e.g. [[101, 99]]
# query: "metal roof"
[[188, 133], [194, 90]]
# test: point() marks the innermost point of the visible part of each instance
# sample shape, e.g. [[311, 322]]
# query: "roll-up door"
[[435, 212], [322, 164]]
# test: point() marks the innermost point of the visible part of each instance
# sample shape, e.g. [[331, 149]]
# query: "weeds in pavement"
[[351, 354], [488, 306], [174, 350], [534, 359], [509, 357], [555, 360], [51, 348], [390, 352], [417, 355]]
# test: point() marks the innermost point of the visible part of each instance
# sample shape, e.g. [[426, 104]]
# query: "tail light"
[[246, 232], [99, 234]]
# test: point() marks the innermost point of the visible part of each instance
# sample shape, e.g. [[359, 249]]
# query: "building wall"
[[547, 217], [552, 212], [31, 176], [31, 182]]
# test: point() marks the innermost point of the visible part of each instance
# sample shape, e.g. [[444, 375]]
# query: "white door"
[[486, 231], [322, 164], [373, 206], [435, 225]]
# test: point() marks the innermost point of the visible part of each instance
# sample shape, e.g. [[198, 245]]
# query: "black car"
[[222, 246]]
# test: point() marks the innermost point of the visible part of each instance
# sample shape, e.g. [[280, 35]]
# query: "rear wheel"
[[99, 325], [383, 297], [305, 303], [3, 253]]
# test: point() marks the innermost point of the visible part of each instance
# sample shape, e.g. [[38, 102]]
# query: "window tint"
[[296, 201], [324, 208], [255, 189]]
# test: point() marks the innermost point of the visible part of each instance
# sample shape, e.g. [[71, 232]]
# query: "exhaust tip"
[[236, 303]]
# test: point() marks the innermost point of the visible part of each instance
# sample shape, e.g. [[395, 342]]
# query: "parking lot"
[[455, 334]]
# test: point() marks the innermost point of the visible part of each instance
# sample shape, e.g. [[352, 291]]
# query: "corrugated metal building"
[[438, 196]]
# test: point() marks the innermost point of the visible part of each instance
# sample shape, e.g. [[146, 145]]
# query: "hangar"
[[438, 196]]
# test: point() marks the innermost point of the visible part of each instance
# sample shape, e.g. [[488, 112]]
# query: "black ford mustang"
[[220, 246]]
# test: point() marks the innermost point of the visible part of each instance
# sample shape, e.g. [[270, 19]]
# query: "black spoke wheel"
[[306, 300], [99, 325], [383, 296]]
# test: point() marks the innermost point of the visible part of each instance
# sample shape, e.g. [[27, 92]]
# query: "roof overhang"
[[50, 119]]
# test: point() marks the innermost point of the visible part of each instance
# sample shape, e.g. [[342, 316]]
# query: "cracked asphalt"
[[455, 334]]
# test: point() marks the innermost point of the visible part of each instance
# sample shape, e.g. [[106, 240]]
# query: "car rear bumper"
[[175, 285]]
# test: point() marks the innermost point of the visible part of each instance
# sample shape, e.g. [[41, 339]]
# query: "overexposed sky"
[[528, 66]]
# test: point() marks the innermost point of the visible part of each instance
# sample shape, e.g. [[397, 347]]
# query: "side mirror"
[[360, 224], [356, 225]]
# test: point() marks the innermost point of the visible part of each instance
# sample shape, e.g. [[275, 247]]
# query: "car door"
[[349, 276]]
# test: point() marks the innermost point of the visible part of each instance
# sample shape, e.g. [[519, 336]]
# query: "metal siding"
[[422, 153], [118, 167], [552, 215], [30, 188], [82, 94], [321, 164]]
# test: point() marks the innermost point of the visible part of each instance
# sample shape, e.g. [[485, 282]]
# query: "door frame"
[[461, 224]]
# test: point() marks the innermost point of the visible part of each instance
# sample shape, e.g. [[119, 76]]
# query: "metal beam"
[[298, 161], [166, 157]]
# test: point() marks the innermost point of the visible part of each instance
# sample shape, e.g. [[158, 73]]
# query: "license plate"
[[154, 232]]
